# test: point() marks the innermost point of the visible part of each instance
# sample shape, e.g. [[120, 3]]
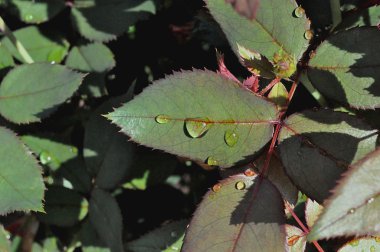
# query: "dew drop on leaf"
[[197, 127], [162, 119], [351, 211], [240, 185], [216, 187], [231, 138], [369, 201], [372, 248], [212, 161], [354, 243], [28, 17], [249, 173], [292, 240], [299, 12], [45, 158], [308, 34]]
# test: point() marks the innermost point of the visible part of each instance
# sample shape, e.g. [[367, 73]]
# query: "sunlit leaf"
[[312, 212], [295, 239], [362, 244]]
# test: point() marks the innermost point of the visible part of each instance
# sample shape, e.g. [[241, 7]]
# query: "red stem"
[[270, 85]]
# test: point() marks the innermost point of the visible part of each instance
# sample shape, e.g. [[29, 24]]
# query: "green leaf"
[[35, 12], [94, 85], [312, 212], [90, 240], [240, 213], [41, 45], [150, 168], [64, 207], [316, 147], [21, 185], [104, 20], [51, 245], [94, 57], [345, 215], [274, 28], [5, 245], [364, 17], [106, 218], [31, 92], [6, 59], [362, 244], [55, 153], [167, 238], [169, 113], [352, 76], [108, 154], [295, 239]]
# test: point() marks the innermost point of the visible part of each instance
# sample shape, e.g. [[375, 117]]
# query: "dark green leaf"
[[36, 11], [353, 209], [365, 17], [94, 85], [41, 45], [94, 57], [108, 154], [6, 59], [352, 76], [90, 240], [5, 245], [64, 207], [21, 185], [31, 92], [274, 27], [167, 239], [190, 114], [229, 219], [104, 20], [51, 153], [316, 147], [106, 218]]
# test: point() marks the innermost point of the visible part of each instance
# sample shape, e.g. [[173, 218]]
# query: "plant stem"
[[20, 48], [335, 12], [270, 85], [304, 228]]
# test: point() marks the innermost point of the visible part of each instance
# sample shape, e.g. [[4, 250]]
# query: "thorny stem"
[[304, 228], [20, 48]]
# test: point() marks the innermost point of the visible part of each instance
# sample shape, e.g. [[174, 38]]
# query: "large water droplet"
[[354, 243], [216, 187], [28, 17], [292, 240], [240, 185], [231, 138], [308, 34], [249, 173], [45, 157], [197, 127], [299, 12], [212, 161], [372, 248], [161, 119]]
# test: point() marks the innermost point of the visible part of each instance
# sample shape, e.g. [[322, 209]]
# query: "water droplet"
[[240, 185], [292, 240], [28, 17], [173, 234], [197, 127], [52, 62], [74, 150], [45, 158], [351, 211], [161, 119], [216, 187], [377, 239], [231, 138], [212, 161], [299, 12], [249, 173], [354, 243], [174, 248], [372, 248], [308, 34], [369, 201], [188, 163]]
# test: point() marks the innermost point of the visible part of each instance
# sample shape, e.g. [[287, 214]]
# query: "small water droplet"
[[249, 173], [369, 201], [74, 150], [377, 239], [292, 240], [45, 157], [240, 185], [28, 17], [52, 62], [216, 187], [174, 248], [372, 248], [173, 234], [351, 211], [308, 34], [197, 127], [299, 12], [231, 138], [188, 163], [162, 119], [212, 161], [354, 243]]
